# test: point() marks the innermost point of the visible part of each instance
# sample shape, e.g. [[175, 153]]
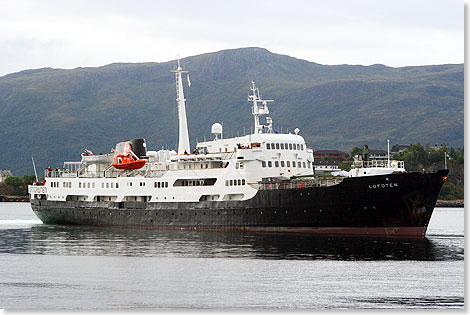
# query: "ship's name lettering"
[[385, 185]]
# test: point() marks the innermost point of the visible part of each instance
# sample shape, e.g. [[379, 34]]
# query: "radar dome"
[[216, 129], [296, 130]]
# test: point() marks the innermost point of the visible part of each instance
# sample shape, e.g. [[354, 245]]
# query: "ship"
[[263, 181]]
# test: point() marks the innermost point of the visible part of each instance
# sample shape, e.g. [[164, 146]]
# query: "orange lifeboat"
[[127, 160]]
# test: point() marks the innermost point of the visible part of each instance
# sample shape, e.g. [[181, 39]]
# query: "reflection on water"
[[75, 240]]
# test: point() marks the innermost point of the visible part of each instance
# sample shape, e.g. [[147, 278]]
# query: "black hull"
[[386, 205]]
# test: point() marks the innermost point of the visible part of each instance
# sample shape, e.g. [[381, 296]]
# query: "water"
[[63, 267]]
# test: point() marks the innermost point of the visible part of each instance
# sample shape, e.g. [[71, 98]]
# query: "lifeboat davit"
[[127, 160]]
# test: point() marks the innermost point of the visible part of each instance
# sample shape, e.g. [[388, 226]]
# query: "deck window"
[[276, 163], [282, 146], [270, 164], [305, 165], [293, 163], [277, 146], [288, 163], [263, 163], [290, 146], [282, 163], [268, 146]]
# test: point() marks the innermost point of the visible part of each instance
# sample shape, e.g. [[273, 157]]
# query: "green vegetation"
[[54, 114], [419, 157], [16, 186]]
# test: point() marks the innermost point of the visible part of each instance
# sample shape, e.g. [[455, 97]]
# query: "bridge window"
[[282, 164], [277, 146], [290, 146], [270, 164], [305, 165], [293, 163], [302, 147], [263, 163], [288, 163], [282, 146], [276, 163]]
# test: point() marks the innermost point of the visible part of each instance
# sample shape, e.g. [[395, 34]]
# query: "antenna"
[[34, 166], [388, 153]]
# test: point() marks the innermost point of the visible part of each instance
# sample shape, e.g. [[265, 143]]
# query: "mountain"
[[54, 114]]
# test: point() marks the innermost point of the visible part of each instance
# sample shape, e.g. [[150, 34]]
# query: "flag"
[[189, 82]]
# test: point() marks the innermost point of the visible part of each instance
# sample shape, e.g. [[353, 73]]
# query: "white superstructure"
[[219, 170]]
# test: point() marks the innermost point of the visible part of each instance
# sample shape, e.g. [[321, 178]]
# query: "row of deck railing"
[[315, 182]]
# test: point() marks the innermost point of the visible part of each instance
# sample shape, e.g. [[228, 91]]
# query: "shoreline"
[[450, 203], [439, 203]]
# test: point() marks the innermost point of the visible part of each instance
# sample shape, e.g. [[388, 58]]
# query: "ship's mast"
[[260, 108], [183, 142]]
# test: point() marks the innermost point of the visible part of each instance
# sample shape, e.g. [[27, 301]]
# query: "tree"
[[28, 179], [355, 150], [14, 181]]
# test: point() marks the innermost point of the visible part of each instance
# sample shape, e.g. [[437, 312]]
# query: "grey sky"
[[69, 34]]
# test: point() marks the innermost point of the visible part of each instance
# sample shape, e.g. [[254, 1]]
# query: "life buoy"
[[394, 164]]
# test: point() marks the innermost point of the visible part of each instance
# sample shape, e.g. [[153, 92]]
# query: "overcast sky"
[[70, 34]]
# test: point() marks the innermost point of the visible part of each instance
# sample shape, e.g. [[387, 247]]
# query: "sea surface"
[[84, 268]]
